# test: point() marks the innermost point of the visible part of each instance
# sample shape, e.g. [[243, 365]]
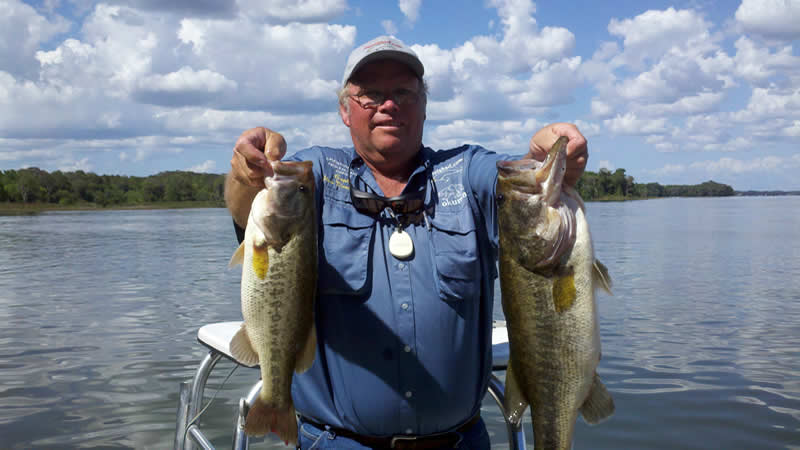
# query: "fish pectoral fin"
[[515, 402], [242, 349], [238, 256], [305, 356], [598, 405], [601, 277]]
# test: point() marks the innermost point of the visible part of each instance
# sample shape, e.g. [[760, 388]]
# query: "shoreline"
[[8, 208]]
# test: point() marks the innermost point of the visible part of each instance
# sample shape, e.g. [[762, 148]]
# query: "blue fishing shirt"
[[404, 346]]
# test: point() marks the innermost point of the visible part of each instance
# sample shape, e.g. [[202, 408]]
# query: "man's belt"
[[450, 439]]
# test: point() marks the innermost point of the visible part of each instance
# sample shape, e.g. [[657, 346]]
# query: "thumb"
[[275, 147]]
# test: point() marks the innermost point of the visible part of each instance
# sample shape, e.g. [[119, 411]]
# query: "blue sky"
[[673, 92]]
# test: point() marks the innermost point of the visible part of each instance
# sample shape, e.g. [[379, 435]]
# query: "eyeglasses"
[[372, 99], [369, 203]]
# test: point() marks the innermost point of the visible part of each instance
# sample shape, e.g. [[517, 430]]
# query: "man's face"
[[390, 134]]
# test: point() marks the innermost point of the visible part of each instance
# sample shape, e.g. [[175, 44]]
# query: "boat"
[[217, 337]]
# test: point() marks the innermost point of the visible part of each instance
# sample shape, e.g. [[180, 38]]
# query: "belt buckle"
[[397, 438]]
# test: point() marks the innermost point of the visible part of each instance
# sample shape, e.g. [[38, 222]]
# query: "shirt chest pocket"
[[455, 255], [344, 249]]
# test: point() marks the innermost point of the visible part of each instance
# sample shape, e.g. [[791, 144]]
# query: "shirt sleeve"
[[482, 174]]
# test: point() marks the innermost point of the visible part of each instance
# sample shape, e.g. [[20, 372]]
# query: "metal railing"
[[189, 435]]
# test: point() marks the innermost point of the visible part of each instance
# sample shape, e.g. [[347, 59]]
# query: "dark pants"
[[311, 437]]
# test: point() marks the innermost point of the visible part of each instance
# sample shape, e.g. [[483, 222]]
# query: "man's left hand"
[[577, 148]]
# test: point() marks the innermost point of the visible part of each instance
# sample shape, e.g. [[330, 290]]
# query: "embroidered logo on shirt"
[[449, 176], [452, 195], [337, 175]]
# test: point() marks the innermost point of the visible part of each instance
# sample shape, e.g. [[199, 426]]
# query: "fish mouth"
[[545, 178], [551, 174], [292, 169]]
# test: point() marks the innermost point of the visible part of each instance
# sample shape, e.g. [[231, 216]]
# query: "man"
[[407, 252]]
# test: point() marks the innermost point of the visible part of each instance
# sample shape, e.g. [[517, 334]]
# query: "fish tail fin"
[[262, 419], [601, 277], [306, 356], [515, 402], [237, 257], [599, 405], [242, 349]]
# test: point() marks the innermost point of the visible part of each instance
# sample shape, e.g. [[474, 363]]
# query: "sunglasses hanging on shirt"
[[400, 244]]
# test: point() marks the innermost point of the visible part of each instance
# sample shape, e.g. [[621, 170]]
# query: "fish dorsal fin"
[[242, 348], [238, 256], [305, 356], [601, 277], [598, 405]]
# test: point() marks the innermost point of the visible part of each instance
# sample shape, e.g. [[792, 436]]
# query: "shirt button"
[[404, 306], [409, 431], [407, 348], [408, 394], [401, 266]]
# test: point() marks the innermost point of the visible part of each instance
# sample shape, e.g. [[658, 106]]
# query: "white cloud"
[[288, 11], [630, 124], [588, 129], [207, 166], [73, 166], [410, 9], [653, 33], [777, 19], [606, 164], [661, 143], [668, 169], [511, 136], [692, 104], [600, 108], [792, 130], [757, 64], [187, 79], [184, 86], [389, 27], [22, 31], [737, 166], [769, 103], [521, 71]]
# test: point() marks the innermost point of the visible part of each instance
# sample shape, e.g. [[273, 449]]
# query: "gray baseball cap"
[[382, 47]]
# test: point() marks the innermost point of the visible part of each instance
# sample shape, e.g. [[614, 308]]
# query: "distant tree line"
[[34, 185], [607, 185]]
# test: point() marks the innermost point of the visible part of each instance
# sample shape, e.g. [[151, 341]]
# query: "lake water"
[[701, 340]]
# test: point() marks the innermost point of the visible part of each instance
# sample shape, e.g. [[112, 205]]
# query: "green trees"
[[605, 185], [33, 185]]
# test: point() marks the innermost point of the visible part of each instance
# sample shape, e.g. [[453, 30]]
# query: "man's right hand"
[[253, 149]]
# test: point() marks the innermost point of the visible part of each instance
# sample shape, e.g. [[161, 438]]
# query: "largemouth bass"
[[279, 278], [548, 275]]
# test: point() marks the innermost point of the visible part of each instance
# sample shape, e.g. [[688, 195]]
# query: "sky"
[[676, 92]]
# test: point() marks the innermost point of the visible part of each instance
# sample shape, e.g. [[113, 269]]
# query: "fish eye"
[[301, 188], [500, 199]]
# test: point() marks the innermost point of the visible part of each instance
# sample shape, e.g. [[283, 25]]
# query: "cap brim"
[[409, 60]]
